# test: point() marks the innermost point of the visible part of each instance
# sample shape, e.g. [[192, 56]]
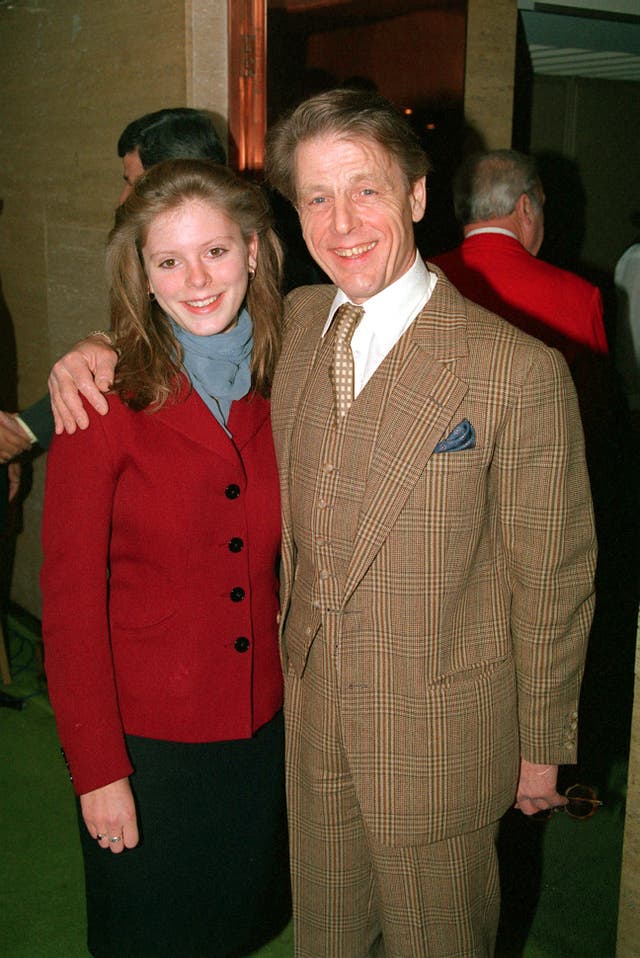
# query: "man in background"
[[499, 202]]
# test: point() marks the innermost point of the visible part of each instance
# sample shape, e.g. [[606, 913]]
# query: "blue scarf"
[[218, 366]]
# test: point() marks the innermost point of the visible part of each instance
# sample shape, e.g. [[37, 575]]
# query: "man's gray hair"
[[487, 186]]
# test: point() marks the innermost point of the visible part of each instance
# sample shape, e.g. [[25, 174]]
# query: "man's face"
[[132, 170], [357, 212]]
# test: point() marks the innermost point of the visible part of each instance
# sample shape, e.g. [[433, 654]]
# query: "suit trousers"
[[354, 897]]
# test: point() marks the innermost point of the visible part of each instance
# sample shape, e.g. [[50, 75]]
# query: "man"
[[437, 557], [163, 135], [499, 200]]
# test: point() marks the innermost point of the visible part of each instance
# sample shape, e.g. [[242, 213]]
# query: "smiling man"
[[437, 557], [438, 554]]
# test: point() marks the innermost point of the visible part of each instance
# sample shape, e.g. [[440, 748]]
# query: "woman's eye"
[[216, 251], [167, 264]]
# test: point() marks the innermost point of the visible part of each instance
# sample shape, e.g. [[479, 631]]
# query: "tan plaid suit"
[[435, 606]]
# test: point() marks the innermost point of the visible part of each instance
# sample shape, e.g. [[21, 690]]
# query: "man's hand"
[[110, 816], [537, 788], [87, 369], [13, 438]]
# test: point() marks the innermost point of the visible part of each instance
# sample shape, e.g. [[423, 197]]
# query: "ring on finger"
[[115, 839]]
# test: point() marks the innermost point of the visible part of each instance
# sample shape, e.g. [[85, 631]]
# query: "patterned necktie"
[[346, 319]]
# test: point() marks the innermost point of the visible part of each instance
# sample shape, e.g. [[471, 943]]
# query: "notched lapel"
[[192, 418], [420, 409]]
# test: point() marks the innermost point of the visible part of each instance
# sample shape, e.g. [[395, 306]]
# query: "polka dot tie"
[[346, 319]]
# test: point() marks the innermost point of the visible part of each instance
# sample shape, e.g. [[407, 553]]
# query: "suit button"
[[232, 491], [241, 644], [237, 594], [236, 544]]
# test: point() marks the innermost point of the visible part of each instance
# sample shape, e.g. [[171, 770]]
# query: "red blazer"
[[161, 541], [552, 304]]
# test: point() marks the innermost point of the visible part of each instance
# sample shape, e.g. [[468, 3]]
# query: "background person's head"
[[501, 186], [357, 176], [174, 133], [173, 195]]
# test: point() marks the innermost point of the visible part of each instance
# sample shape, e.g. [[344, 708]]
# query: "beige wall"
[[73, 74], [490, 69]]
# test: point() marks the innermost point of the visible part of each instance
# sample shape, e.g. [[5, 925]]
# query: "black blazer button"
[[232, 491], [241, 644], [237, 594], [236, 544]]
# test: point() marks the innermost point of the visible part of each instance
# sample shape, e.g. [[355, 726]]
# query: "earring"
[[152, 296], [252, 273]]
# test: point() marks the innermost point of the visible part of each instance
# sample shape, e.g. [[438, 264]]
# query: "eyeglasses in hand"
[[582, 804]]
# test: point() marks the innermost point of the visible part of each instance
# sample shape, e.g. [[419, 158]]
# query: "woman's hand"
[[110, 816]]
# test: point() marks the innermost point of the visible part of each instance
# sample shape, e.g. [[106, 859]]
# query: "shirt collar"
[[389, 312], [490, 229]]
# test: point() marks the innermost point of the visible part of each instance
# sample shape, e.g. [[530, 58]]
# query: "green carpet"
[[41, 894]]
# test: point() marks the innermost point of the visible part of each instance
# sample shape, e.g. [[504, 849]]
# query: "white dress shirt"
[[387, 315], [490, 229]]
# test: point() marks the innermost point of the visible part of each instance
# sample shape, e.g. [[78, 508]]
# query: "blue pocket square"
[[462, 437]]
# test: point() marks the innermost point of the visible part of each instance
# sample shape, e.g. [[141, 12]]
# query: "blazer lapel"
[[191, 417], [423, 395]]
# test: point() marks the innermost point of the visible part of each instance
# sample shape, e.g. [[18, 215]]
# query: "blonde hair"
[[148, 370]]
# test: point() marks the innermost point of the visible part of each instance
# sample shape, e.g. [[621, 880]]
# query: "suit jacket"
[[39, 418], [558, 307], [161, 540], [463, 609]]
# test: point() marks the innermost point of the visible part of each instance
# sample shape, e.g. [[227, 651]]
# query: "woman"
[[161, 538]]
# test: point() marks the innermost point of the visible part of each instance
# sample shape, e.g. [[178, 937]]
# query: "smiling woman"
[[198, 264], [161, 536]]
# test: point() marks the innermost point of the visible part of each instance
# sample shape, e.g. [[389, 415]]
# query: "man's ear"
[[524, 207], [418, 198]]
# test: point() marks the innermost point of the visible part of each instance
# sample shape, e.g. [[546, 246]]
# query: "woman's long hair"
[[150, 356]]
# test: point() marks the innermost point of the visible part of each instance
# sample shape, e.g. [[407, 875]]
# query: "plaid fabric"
[[352, 895], [454, 590]]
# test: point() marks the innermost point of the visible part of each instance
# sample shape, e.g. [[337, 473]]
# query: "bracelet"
[[102, 332], [106, 335]]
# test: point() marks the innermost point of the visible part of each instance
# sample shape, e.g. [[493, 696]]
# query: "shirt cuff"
[[29, 432]]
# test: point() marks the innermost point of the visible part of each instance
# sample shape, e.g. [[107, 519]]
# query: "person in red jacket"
[[499, 202], [161, 538]]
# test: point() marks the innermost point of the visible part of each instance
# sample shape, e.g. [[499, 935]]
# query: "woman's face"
[[197, 265]]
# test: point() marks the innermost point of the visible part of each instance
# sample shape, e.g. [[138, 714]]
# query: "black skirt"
[[210, 875]]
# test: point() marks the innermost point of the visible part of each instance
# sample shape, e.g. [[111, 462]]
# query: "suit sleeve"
[[80, 485], [548, 531], [39, 418]]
